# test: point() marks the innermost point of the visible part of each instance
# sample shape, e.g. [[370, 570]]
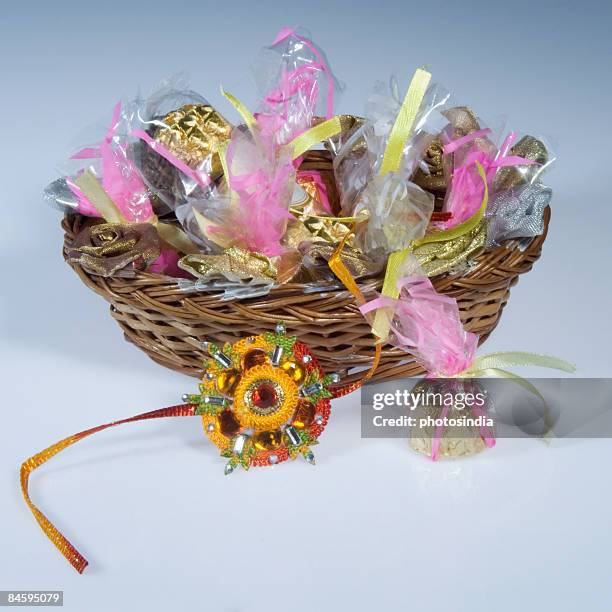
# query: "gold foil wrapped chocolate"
[[316, 225], [527, 147], [107, 248], [192, 133], [349, 124], [439, 169], [234, 263], [237, 264], [440, 257]]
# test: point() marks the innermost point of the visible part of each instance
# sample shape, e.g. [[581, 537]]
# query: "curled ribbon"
[[338, 267], [74, 557]]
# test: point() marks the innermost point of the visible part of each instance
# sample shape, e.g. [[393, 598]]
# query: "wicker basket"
[[169, 324]]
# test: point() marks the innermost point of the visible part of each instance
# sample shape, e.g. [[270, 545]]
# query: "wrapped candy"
[[250, 210], [176, 136], [296, 85], [398, 210], [109, 164], [434, 171], [427, 325], [108, 184], [451, 429], [398, 213], [530, 148], [518, 212], [465, 194]]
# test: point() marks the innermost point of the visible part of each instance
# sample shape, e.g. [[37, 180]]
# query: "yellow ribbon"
[[324, 130], [100, 200], [402, 128], [299, 145], [380, 326], [341, 271], [492, 365], [94, 192], [243, 111]]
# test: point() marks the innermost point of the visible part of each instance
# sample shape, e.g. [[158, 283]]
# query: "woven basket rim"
[[169, 323], [70, 221]]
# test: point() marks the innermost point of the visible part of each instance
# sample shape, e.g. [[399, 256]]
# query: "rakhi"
[[263, 400]]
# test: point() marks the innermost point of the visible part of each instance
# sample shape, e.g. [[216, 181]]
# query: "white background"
[[372, 526]]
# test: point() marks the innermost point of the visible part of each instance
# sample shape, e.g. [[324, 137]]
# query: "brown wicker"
[[169, 324]]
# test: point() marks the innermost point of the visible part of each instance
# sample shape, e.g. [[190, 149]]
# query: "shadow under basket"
[[169, 324]]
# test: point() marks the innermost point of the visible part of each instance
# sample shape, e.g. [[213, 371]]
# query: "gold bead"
[[294, 370], [227, 381], [266, 440]]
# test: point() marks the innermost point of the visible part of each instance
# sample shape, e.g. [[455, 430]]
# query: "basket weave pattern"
[[170, 324]]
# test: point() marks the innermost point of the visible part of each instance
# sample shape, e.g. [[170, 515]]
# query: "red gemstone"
[[304, 415], [228, 424], [255, 357], [264, 396]]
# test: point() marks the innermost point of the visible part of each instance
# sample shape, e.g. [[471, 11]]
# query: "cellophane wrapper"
[[107, 158], [296, 85], [250, 208], [174, 132], [398, 210]]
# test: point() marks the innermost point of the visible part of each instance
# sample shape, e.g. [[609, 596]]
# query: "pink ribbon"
[[201, 178], [290, 106], [320, 64], [120, 178], [262, 204], [466, 189]]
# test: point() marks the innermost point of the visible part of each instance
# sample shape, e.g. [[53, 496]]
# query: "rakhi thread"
[[72, 555]]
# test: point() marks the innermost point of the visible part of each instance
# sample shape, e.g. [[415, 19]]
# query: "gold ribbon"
[[380, 327], [340, 270], [74, 557]]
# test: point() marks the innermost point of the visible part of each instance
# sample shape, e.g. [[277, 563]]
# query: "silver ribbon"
[[518, 212]]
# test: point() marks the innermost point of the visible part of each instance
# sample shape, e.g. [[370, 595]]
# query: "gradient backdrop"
[[526, 526]]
